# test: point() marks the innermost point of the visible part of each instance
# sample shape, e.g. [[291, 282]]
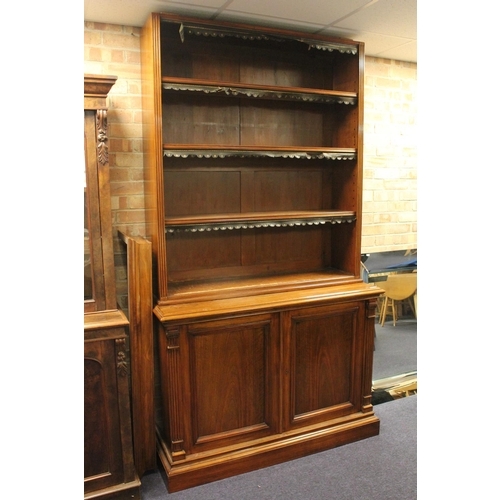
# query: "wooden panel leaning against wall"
[[140, 314], [109, 470]]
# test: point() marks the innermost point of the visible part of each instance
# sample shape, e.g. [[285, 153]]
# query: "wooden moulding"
[[166, 311], [97, 87], [104, 319]]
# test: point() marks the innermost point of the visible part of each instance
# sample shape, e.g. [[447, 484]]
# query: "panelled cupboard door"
[[231, 378], [102, 437], [323, 353], [109, 470]]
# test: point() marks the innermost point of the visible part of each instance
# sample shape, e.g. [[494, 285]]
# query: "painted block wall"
[[390, 152]]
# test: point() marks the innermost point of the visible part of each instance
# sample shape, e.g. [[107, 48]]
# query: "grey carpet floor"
[[395, 349]]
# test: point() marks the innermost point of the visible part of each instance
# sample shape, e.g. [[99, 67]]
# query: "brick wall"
[[390, 156], [390, 193]]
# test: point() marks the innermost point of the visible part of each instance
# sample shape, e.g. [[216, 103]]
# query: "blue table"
[[376, 266]]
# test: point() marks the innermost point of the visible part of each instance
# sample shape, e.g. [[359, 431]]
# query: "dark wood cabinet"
[[253, 155], [108, 454]]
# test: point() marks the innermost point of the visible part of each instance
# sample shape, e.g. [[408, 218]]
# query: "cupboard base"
[[180, 475]]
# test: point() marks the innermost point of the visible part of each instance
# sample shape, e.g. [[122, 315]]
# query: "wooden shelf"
[[209, 151], [259, 91], [222, 222], [194, 299], [223, 30]]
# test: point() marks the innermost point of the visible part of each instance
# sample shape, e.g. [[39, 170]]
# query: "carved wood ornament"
[[121, 358], [102, 138]]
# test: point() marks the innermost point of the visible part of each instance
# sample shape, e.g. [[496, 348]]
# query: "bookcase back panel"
[[202, 192], [192, 119], [248, 252], [196, 119], [246, 189], [187, 251], [288, 190], [303, 247], [286, 124], [287, 70]]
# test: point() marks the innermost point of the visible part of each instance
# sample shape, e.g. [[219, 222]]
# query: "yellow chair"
[[397, 287]]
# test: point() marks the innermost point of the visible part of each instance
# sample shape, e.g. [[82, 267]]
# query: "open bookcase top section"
[[235, 111]]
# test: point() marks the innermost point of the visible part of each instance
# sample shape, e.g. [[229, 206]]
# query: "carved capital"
[[371, 308], [172, 337]]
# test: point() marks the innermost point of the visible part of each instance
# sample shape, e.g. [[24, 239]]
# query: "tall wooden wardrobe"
[[109, 471], [265, 330]]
